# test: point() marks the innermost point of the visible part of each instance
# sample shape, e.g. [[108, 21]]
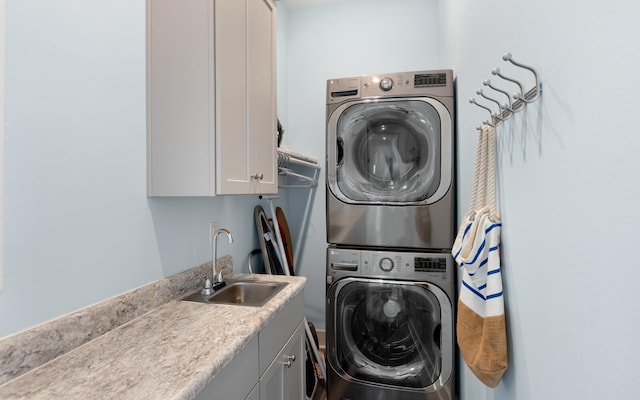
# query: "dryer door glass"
[[390, 333], [389, 151]]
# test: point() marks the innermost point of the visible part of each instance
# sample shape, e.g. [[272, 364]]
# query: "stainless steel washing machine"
[[390, 325], [390, 160]]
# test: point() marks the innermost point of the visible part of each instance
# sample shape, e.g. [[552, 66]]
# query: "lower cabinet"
[[238, 380], [271, 366], [284, 379]]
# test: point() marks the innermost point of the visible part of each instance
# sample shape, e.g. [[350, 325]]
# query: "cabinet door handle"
[[289, 360], [258, 176]]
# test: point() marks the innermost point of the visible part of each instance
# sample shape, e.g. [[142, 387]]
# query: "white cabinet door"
[[236, 381], [262, 102], [284, 379], [180, 98], [246, 116], [211, 97]]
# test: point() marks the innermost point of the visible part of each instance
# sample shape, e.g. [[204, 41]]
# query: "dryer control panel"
[[398, 265], [414, 83]]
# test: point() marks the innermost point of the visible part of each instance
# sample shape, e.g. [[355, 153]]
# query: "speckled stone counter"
[[171, 352], [29, 349]]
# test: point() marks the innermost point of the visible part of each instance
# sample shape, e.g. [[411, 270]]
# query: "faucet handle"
[[208, 289], [219, 277]]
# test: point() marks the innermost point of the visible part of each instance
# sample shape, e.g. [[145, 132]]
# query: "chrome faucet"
[[218, 281]]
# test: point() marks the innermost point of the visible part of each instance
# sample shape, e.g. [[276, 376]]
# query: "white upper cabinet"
[[211, 97]]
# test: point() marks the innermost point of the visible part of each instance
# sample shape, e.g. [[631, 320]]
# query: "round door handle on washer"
[[258, 176], [290, 359]]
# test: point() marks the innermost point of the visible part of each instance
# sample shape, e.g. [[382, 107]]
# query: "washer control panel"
[[403, 265]]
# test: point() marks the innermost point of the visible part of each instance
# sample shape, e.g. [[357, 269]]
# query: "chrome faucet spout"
[[217, 274]]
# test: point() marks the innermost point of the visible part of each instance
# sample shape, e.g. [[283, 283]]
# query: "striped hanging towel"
[[481, 324]]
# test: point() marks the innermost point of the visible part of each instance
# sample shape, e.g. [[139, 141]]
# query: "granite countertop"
[[172, 352]]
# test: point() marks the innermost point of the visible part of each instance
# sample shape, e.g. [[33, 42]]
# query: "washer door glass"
[[389, 333], [389, 151]]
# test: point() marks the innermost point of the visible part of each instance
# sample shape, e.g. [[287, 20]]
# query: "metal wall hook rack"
[[521, 98]]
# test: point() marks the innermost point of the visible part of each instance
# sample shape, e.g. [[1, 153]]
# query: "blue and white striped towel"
[[481, 322], [478, 256]]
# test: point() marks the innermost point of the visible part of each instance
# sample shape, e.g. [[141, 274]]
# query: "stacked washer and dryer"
[[390, 227]]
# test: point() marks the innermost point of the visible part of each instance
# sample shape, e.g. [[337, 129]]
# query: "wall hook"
[[509, 106], [538, 87], [491, 113], [496, 71], [500, 106]]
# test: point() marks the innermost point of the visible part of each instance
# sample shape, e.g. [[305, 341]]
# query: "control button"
[[386, 264], [386, 84]]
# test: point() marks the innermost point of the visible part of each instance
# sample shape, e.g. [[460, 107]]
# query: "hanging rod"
[[521, 98], [287, 156], [304, 163]]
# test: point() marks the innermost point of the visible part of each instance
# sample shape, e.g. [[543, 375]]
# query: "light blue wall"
[[79, 227], [569, 188], [350, 38]]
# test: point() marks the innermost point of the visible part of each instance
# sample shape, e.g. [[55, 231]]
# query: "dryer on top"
[[390, 160]]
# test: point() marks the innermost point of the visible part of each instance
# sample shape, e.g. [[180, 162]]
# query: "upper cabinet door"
[[246, 115], [180, 98], [211, 97], [262, 101]]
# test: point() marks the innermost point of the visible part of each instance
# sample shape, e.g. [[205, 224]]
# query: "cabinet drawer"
[[274, 336], [237, 379]]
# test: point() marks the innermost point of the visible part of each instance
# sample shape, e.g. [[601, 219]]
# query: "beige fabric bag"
[[481, 324]]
